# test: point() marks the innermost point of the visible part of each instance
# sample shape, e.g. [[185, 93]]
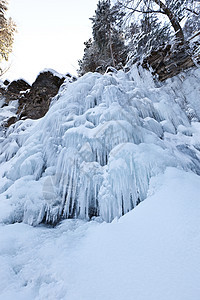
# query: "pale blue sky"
[[50, 34]]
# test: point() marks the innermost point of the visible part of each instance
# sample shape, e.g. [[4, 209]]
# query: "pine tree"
[[90, 60], [108, 47], [7, 30]]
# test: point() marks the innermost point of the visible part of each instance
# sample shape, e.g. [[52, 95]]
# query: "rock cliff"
[[170, 61], [32, 101]]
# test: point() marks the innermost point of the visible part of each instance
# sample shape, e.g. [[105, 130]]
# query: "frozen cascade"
[[96, 149]]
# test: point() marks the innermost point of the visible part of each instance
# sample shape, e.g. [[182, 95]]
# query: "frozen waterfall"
[[96, 149]]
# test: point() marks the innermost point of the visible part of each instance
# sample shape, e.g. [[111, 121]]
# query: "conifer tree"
[[90, 60], [107, 47]]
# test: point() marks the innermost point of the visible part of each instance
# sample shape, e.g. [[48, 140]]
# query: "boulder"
[[16, 86]]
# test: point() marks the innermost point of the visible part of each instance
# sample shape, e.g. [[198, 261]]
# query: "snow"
[[55, 73], [95, 151], [150, 253]]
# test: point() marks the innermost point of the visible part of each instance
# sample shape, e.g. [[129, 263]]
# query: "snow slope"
[[153, 252], [95, 151]]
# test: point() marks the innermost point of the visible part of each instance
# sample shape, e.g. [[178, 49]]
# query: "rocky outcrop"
[[15, 87], [168, 62], [33, 101]]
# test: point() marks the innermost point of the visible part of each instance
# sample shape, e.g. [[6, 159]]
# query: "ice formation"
[[94, 152]]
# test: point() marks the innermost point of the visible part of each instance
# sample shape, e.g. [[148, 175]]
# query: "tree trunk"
[[111, 50], [174, 22]]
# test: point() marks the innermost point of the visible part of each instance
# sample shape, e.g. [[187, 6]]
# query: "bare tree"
[[159, 7]]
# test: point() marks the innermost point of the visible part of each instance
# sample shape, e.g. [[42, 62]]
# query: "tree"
[[192, 30], [7, 30], [174, 10], [192, 24], [90, 60], [146, 35], [155, 23], [107, 47]]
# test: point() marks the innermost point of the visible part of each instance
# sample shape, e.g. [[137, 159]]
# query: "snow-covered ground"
[[153, 252], [106, 144]]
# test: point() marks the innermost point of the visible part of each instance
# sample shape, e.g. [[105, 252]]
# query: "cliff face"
[[31, 101], [168, 62], [35, 102]]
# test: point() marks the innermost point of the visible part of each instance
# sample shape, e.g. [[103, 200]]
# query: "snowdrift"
[[95, 151], [150, 253]]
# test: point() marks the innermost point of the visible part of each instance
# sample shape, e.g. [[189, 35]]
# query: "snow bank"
[[95, 151], [150, 253]]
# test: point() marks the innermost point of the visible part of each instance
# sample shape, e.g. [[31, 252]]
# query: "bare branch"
[[142, 11], [195, 35], [192, 11], [172, 18]]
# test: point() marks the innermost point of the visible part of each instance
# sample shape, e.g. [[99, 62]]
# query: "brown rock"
[[35, 103], [10, 121], [168, 62], [33, 100], [16, 86]]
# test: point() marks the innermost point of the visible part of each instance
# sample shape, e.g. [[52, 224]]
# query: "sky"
[[50, 34]]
